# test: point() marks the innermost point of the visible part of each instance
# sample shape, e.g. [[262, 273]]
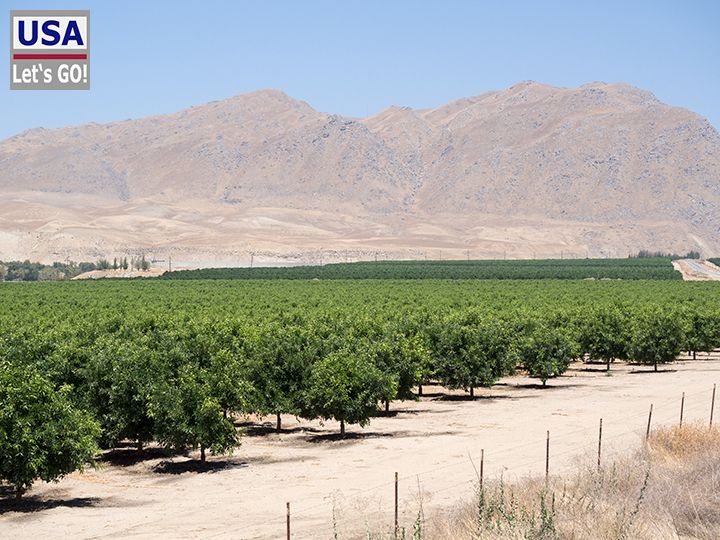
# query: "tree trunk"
[[278, 422], [655, 366], [608, 364], [19, 493], [544, 383], [342, 428], [387, 405], [472, 391], [419, 389], [202, 453], [139, 446], [694, 355]]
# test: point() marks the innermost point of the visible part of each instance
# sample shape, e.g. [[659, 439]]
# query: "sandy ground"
[[48, 227], [120, 273], [427, 442]]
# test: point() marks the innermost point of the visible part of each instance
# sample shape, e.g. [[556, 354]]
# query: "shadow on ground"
[[253, 429], [549, 387], [468, 397], [31, 503], [197, 466], [127, 455], [351, 436]]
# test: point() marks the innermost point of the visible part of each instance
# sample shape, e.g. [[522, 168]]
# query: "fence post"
[[712, 406], [396, 505], [647, 433], [547, 457], [482, 465], [599, 443], [287, 521], [682, 407]]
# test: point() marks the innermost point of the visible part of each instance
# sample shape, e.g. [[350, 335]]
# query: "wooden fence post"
[[682, 408], [287, 521], [599, 443], [397, 528], [712, 406], [647, 433], [482, 465], [547, 457]]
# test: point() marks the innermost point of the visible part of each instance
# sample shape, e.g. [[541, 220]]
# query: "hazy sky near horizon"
[[356, 58]]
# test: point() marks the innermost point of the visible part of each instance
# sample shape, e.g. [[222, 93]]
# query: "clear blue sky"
[[356, 58]]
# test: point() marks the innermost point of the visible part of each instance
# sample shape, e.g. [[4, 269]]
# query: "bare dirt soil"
[[50, 227], [430, 444], [120, 273]]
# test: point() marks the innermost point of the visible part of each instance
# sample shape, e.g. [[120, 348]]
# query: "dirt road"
[[428, 442], [697, 270]]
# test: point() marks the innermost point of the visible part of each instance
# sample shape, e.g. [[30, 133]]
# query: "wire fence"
[[388, 507]]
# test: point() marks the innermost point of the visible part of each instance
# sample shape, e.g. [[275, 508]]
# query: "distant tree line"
[[60, 271], [34, 271], [646, 254]]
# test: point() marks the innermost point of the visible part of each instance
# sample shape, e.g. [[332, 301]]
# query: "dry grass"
[[669, 488]]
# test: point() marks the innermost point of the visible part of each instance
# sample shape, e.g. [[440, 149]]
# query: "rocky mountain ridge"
[[601, 169]]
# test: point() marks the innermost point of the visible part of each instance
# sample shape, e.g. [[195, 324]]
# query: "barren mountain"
[[533, 170]]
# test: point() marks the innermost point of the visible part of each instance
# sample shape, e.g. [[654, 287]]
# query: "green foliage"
[[645, 254], [42, 435], [470, 351], [174, 361], [546, 352], [346, 386], [605, 334], [119, 377], [278, 366], [33, 271], [630, 268], [657, 337], [186, 414], [701, 330]]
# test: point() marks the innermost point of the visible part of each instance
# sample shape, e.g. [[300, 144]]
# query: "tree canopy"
[[42, 435]]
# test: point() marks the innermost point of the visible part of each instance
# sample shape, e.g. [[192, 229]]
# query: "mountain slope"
[[603, 169]]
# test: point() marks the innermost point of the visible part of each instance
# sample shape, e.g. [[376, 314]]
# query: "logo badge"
[[49, 50]]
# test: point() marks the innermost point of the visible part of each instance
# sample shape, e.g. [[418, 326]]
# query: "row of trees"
[[59, 271], [644, 267], [182, 382], [34, 271], [135, 263]]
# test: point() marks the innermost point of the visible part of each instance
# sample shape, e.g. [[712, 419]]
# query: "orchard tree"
[[278, 367], [604, 336], [227, 383], [702, 331], [42, 435], [120, 376], [420, 329], [546, 352], [400, 357], [187, 414], [657, 337], [471, 351], [346, 386]]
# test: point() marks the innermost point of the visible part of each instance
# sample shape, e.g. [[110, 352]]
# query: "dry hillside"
[[603, 169]]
